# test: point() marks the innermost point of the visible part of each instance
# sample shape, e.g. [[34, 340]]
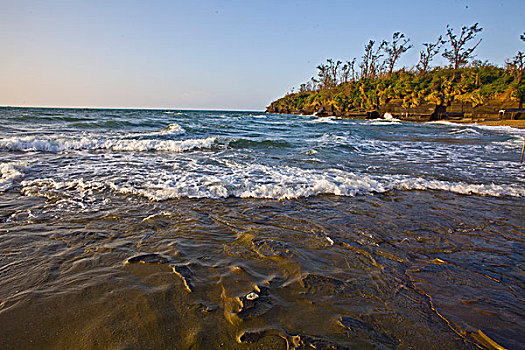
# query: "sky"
[[218, 55]]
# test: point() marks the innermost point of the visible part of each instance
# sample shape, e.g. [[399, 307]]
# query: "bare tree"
[[328, 74], [370, 65], [323, 76], [333, 70], [376, 68], [344, 75], [426, 55], [303, 87], [351, 66], [458, 54], [395, 49], [367, 57], [314, 83], [517, 66], [517, 63], [347, 72]]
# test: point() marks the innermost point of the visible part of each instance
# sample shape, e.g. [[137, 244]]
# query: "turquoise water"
[[351, 233]]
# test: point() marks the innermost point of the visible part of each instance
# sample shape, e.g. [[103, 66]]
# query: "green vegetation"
[[441, 86], [340, 90]]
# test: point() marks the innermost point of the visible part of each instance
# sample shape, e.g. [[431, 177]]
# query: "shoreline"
[[514, 123], [519, 124]]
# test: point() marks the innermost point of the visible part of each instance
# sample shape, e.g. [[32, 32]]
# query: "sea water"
[[210, 229]]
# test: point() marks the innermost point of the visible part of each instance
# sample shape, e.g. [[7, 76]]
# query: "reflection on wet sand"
[[423, 270]]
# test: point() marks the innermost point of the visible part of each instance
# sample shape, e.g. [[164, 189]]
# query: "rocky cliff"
[[488, 93]]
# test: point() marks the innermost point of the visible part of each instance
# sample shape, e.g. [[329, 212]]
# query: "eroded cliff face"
[[443, 93], [501, 107]]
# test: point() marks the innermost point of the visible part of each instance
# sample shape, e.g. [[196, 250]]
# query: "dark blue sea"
[[150, 229]]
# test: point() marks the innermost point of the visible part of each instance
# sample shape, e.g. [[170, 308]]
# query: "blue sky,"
[[233, 54]]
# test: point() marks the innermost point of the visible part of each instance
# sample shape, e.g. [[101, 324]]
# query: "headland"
[[483, 94]]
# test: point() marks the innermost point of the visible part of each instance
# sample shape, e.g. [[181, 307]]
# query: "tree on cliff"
[[458, 54], [395, 49], [517, 64], [347, 72], [353, 74], [329, 74], [370, 67], [426, 55]]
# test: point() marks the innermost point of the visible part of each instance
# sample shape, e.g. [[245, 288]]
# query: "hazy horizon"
[[136, 108], [213, 55]]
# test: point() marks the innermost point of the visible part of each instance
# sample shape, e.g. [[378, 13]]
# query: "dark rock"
[[316, 284], [364, 331], [150, 258], [251, 337], [185, 274], [271, 248], [254, 307], [207, 306], [372, 115], [321, 112], [313, 342]]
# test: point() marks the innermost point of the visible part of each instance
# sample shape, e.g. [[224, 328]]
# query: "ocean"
[[149, 229]]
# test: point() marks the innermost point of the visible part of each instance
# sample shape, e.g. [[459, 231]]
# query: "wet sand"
[[520, 124], [422, 270]]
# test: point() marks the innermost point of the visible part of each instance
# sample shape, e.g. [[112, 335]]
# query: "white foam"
[[384, 121], [56, 145], [513, 142], [10, 172], [494, 128], [51, 188], [248, 181], [258, 181], [499, 128], [490, 189], [389, 117], [465, 131], [329, 120], [172, 129], [444, 122]]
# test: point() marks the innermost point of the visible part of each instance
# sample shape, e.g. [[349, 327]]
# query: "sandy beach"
[[512, 123]]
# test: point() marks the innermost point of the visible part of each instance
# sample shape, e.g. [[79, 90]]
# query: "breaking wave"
[[57, 145], [10, 172], [259, 181], [172, 129]]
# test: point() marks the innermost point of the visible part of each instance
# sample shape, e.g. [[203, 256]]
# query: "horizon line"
[[137, 108]]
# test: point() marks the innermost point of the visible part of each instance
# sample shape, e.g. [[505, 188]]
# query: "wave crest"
[[260, 181], [10, 172], [57, 145]]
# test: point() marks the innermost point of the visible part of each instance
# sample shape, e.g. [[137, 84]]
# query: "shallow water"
[[191, 229]]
